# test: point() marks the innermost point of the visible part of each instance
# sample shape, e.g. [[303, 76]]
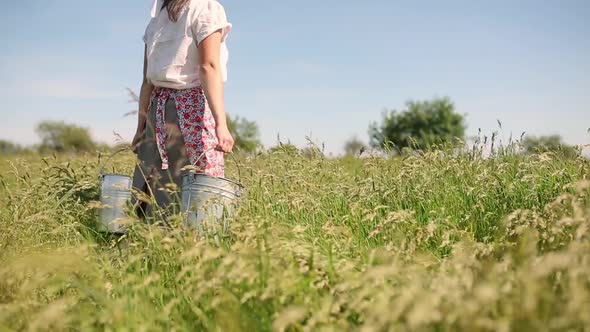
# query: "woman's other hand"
[[137, 141]]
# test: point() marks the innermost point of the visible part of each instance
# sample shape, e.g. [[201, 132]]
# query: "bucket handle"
[[101, 171], [231, 155]]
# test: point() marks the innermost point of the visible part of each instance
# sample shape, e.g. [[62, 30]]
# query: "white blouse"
[[172, 56]]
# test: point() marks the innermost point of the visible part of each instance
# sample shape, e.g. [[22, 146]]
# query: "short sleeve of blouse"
[[211, 19], [146, 32]]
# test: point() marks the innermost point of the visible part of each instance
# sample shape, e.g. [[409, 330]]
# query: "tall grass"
[[432, 242]]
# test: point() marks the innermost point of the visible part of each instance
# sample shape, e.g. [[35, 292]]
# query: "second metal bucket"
[[208, 202], [115, 194]]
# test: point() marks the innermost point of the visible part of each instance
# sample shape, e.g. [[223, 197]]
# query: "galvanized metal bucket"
[[209, 202], [115, 193]]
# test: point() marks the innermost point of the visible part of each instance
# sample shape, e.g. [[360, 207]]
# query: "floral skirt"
[[180, 132]]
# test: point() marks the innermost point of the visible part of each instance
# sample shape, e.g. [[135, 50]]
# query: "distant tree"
[[354, 147], [245, 133], [552, 143], [421, 125], [7, 148], [62, 137]]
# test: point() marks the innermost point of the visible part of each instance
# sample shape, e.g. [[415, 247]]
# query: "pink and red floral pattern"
[[197, 126]]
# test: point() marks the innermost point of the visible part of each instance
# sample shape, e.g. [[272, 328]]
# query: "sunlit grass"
[[436, 241]]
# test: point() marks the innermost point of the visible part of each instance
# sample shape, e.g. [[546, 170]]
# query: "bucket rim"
[[212, 177], [102, 176]]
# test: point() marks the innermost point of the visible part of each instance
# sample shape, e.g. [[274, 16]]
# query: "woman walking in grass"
[[182, 120]]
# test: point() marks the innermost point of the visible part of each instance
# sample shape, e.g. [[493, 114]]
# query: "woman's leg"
[[168, 182], [163, 186]]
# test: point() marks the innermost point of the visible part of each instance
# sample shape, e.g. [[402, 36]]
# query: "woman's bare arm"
[[210, 75], [144, 95], [144, 104]]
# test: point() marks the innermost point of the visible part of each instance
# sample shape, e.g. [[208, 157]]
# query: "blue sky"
[[324, 69]]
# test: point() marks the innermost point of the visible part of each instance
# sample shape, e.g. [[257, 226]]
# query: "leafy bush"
[[422, 125], [62, 137], [8, 148]]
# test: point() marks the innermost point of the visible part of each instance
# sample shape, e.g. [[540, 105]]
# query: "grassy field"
[[435, 242]]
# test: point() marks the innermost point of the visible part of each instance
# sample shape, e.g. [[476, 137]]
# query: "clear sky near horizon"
[[321, 68]]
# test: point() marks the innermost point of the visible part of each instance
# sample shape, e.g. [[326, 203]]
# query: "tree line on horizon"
[[62, 137], [420, 125], [434, 123]]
